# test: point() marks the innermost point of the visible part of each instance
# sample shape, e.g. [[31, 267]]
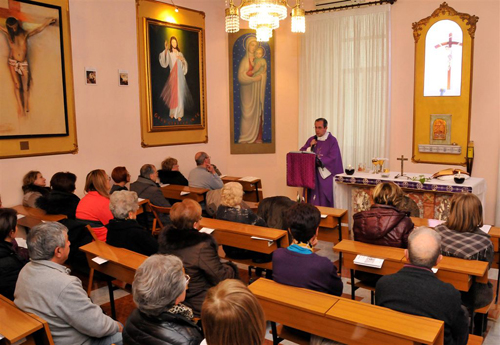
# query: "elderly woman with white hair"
[[159, 289], [123, 230], [230, 209]]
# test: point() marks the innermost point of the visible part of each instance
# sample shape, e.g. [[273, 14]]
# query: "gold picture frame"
[[444, 47], [257, 133], [39, 117], [172, 77]]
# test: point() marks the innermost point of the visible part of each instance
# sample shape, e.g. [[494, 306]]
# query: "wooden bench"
[[342, 319], [143, 206], [173, 191], [458, 272], [240, 236], [122, 264], [252, 189], [495, 238], [16, 325], [38, 213]]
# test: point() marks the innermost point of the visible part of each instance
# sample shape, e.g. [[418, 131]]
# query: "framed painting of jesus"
[[171, 43], [444, 47], [37, 116]]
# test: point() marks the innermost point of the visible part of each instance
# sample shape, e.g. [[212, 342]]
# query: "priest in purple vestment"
[[327, 150]]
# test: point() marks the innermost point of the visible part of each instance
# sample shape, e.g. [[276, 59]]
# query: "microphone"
[[315, 138]]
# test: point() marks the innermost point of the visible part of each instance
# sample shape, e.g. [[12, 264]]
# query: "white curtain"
[[344, 77]]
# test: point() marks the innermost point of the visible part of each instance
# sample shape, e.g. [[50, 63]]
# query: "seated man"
[[298, 265], [416, 290], [204, 175], [147, 188], [45, 288]]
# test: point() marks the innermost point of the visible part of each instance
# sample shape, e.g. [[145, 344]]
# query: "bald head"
[[200, 158], [424, 247]]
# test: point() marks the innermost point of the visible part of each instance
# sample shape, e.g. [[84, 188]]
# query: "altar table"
[[354, 192]]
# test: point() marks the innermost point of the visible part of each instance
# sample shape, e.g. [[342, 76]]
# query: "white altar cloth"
[[343, 182]]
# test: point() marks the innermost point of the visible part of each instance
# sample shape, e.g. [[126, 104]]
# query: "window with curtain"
[[344, 77]]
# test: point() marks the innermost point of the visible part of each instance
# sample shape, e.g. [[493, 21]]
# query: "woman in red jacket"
[[93, 209]]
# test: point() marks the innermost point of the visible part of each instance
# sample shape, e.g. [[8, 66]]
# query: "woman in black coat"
[[61, 199], [170, 174], [12, 257], [159, 289], [123, 230]]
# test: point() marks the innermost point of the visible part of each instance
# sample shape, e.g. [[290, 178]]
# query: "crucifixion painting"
[[33, 87], [443, 59]]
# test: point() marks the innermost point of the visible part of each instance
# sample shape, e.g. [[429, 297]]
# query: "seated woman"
[[159, 288], [170, 174], [230, 210], [33, 188], [61, 199], [123, 229], [197, 250], [231, 314], [298, 265], [120, 178], [274, 209], [462, 238], [93, 209], [12, 257], [383, 224]]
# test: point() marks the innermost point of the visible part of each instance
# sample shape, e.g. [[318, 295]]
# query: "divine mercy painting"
[[175, 80], [251, 94], [33, 86]]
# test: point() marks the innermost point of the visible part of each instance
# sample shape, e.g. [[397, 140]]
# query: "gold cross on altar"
[[402, 159]]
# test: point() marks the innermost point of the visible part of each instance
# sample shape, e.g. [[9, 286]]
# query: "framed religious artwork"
[[251, 80], [38, 112], [171, 74], [444, 47]]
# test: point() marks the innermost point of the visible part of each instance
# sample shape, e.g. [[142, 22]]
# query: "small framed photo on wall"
[[122, 77], [90, 76]]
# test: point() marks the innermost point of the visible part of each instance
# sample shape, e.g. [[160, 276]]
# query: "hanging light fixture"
[[264, 16]]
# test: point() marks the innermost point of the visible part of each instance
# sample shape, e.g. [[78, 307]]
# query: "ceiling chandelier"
[[264, 16]]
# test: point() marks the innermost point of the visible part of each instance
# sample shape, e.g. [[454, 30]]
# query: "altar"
[[354, 192]]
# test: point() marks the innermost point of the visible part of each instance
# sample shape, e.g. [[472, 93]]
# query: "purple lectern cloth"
[[300, 170], [329, 153]]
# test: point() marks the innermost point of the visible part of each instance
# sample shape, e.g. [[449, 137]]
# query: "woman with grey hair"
[[230, 209], [123, 230], [159, 289]]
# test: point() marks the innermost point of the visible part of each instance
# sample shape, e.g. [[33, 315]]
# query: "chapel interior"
[[104, 36]]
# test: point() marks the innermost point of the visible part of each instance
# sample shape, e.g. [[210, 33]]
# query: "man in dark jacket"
[[147, 188], [416, 290]]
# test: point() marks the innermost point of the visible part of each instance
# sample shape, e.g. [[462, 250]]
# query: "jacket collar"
[[146, 181], [51, 264], [174, 238]]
